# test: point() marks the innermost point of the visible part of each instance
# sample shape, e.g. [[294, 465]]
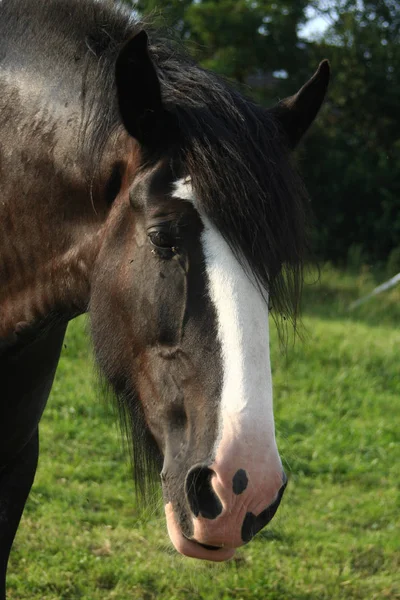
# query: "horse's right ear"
[[296, 113], [139, 93]]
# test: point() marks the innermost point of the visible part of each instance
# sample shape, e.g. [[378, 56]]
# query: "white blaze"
[[246, 410]]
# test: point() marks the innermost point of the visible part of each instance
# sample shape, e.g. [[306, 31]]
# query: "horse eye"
[[161, 239]]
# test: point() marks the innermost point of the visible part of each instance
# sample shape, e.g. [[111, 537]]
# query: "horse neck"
[[52, 215]]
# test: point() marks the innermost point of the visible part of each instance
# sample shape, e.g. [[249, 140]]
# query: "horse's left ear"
[[296, 113], [139, 93]]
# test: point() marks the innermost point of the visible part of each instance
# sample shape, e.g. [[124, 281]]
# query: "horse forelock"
[[241, 172], [243, 178]]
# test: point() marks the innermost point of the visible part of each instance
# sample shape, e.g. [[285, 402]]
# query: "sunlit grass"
[[83, 535]]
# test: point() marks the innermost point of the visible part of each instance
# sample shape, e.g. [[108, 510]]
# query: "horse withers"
[[145, 190]]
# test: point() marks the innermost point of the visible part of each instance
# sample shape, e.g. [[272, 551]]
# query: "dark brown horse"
[[143, 189]]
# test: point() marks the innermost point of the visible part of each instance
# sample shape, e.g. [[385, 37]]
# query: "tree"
[[236, 38], [356, 187]]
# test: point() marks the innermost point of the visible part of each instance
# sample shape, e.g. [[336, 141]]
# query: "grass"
[[84, 537]]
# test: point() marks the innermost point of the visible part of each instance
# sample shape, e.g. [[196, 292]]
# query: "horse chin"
[[190, 548]]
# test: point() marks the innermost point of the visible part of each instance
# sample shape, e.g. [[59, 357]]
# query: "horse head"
[[205, 234]]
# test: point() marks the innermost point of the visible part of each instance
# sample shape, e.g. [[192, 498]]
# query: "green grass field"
[[337, 406]]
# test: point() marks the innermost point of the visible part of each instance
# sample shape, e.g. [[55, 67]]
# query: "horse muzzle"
[[222, 516]]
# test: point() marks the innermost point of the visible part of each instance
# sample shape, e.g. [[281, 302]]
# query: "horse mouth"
[[207, 547], [191, 548]]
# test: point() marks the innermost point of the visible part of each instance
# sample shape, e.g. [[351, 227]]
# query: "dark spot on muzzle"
[[202, 499], [240, 482], [252, 524]]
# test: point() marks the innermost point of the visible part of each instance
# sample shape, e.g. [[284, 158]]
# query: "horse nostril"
[[202, 499], [252, 524]]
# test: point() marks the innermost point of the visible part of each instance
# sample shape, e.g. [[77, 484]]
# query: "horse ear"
[[139, 92], [296, 113]]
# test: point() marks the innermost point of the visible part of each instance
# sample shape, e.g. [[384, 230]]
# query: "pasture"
[[85, 537]]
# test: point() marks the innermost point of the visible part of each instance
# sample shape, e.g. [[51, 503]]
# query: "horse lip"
[[206, 546], [191, 548]]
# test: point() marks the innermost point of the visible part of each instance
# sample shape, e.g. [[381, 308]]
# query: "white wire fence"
[[378, 290]]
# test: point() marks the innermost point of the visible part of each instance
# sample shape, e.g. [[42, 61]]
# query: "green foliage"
[[236, 38], [351, 159], [393, 263], [352, 162], [335, 537]]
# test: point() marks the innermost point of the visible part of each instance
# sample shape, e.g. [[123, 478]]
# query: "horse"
[[148, 192]]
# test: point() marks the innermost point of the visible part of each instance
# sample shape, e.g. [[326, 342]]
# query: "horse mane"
[[233, 149]]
